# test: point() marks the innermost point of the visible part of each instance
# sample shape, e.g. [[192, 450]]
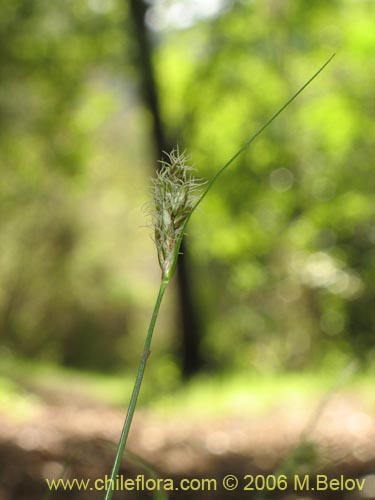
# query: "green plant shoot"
[[176, 197]]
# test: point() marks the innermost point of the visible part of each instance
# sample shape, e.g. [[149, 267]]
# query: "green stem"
[[135, 393], [165, 281]]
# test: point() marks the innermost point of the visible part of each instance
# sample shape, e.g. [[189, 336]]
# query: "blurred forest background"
[[274, 294], [278, 269]]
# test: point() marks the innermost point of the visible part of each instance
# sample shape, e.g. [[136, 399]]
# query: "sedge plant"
[[176, 195]]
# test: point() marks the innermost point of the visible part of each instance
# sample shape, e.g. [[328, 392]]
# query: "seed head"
[[174, 193]]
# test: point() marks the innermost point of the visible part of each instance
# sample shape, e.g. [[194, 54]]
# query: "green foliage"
[[59, 299], [282, 249], [24, 386], [289, 237]]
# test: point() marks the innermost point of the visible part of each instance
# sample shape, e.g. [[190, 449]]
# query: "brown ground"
[[80, 433]]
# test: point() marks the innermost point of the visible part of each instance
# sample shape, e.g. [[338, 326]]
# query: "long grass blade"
[[242, 149]]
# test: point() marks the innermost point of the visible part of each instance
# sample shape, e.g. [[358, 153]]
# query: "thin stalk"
[[136, 389], [167, 275]]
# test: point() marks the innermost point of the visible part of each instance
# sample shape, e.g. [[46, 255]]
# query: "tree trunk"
[[190, 328]]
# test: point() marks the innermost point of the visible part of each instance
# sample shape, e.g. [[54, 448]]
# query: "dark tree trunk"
[[191, 359]]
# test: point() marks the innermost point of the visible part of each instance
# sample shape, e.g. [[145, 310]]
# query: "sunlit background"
[[273, 305]]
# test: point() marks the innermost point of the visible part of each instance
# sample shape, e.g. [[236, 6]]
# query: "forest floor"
[[63, 428]]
